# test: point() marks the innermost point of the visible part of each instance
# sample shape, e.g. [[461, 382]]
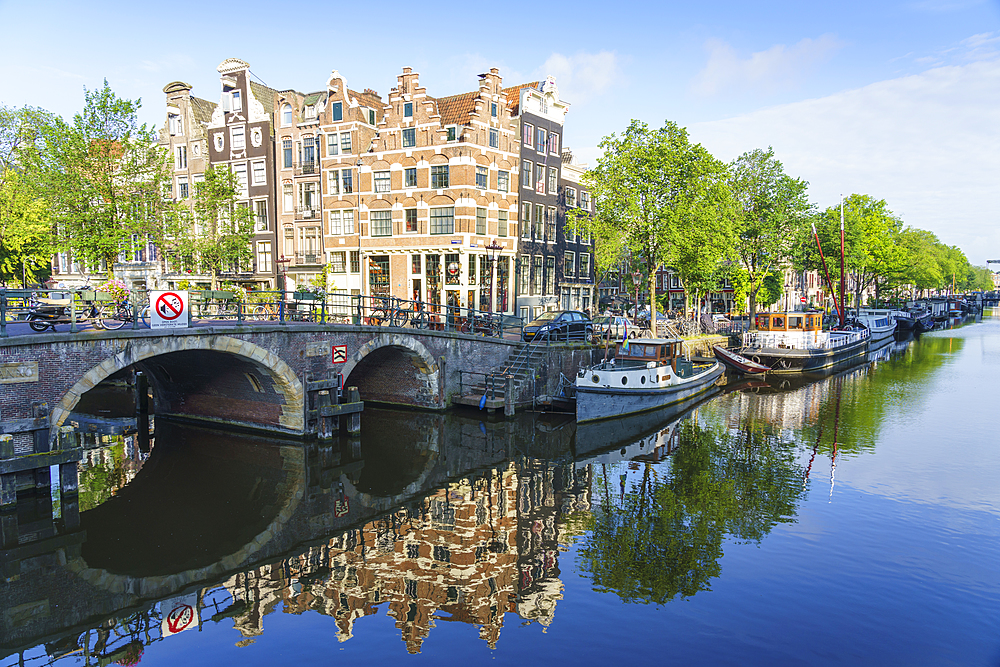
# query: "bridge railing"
[[334, 307]]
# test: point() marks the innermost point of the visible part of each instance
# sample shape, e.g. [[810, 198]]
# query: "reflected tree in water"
[[663, 537]]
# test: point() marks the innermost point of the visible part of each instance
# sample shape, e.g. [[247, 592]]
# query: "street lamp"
[[493, 252], [636, 277], [283, 261]]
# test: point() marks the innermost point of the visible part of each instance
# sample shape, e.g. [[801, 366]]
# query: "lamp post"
[[283, 262], [493, 252], [636, 277]]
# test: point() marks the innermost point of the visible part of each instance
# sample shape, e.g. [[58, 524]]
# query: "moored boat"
[[881, 323], [738, 362], [645, 374], [794, 342]]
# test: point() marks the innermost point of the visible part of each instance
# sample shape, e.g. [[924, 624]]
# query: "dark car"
[[559, 325]]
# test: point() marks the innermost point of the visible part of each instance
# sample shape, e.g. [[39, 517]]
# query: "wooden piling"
[[324, 426], [352, 395]]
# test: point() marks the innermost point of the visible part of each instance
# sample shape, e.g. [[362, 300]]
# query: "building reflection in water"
[[471, 552]]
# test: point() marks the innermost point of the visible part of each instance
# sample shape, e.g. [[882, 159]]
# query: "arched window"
[[286, 115]]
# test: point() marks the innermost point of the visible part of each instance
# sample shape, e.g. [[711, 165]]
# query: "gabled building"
[[240, 137], [575, 268], [431, 195], [540, 115]]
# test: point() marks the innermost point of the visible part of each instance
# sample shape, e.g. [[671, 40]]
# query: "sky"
[[898, 100]]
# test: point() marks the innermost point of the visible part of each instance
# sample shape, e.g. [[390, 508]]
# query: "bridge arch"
[[397, 368], [254, 363]]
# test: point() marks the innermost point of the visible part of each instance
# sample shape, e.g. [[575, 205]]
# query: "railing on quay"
[[100, 310]]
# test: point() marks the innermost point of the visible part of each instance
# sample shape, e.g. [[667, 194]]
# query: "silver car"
[[614, 327]]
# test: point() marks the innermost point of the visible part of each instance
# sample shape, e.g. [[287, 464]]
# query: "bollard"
[[352, 395], [508, 396], [323, 422], [8, 481]]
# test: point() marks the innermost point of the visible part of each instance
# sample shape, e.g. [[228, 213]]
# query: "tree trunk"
[[752, 298], [652, 302], [215, 278]]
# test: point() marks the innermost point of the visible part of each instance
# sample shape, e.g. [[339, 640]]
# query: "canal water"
[[848, 519]]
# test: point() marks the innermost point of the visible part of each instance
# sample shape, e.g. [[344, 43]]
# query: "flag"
[[625, 337]]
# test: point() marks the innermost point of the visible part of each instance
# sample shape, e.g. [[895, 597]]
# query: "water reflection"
[[431, 518]]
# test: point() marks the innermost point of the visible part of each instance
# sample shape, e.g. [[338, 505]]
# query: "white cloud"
[[582, 76], [925, 143], [777, 67]]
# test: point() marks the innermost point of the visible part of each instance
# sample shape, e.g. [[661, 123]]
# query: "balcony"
[[305, 258], [306, 168], [308, 212]]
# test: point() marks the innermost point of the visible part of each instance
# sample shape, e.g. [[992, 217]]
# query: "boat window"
[[778, 322], [762, 322], [650, 350], [794, 322]]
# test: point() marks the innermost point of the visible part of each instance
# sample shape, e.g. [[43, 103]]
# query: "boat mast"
[[842, 261], [829, 283]]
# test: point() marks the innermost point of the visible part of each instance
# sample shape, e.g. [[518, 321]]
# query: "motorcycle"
[[46, 313]]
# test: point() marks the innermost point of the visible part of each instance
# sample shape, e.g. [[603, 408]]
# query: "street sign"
[[339, 354], [169, 310], [179, 614], [802, 299]]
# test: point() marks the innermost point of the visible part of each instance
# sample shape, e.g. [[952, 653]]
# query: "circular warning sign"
[[169, 306], [180, 618]]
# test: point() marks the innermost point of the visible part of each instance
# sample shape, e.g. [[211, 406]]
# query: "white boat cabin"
[[792, 330]]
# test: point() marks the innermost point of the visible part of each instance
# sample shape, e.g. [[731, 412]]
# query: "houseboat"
[[794, 342], [881, 323], [645, 374]]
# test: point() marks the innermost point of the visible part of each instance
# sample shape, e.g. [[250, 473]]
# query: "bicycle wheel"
[[115, 315], [421, 320], [263, 313], [144, 316], [400, 318], [377, 317]]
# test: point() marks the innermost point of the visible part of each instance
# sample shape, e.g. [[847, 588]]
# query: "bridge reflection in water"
[[426, 517]]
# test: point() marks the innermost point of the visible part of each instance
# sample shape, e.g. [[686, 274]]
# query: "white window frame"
[[259, 169]]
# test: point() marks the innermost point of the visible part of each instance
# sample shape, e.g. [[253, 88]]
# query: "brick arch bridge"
[[252, 375]]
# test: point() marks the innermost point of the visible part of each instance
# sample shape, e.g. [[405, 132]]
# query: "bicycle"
[[389, 310]]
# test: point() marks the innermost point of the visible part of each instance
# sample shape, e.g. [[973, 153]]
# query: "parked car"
[[614, 327], [560, 325]]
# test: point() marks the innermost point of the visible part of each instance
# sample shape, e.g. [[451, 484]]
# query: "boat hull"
[[594, 403], [737, 362], [805, 360]]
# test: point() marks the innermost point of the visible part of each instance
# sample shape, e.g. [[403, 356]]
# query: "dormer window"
[[452, 133], [286, 115], [311, 111]]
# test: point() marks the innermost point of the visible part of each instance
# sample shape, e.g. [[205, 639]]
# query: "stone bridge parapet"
[[253, 375]]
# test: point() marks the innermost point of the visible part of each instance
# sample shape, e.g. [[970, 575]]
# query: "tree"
[[649, 187], [103, 177], [25, 225], [872, 251], [25, 233], [770, 210], [219, 236]]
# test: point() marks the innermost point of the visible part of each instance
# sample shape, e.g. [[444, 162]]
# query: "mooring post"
[[69, 480], [323, 425], [353, 396], [508, 396]]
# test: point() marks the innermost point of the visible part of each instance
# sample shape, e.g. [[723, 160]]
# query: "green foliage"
[[217, 239], [770, 289], [769, 213], [26, 243], [662, 538], [873, 255], [652, 190], [102, 177]]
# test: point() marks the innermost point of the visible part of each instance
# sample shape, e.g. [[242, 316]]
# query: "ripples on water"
[[848, 519]]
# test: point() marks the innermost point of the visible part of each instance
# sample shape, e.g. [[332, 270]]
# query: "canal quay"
[[852, 518]]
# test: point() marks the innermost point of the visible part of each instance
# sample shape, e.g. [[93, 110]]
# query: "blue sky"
[[900, 100]]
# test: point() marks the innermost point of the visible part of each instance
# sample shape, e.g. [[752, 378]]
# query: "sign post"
[[169, 310]]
